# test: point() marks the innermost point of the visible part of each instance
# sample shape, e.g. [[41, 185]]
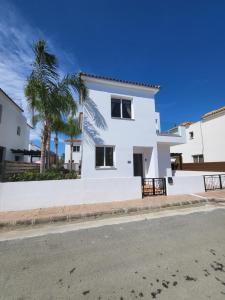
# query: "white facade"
[[139, 134], [14, 130], [205, 139]]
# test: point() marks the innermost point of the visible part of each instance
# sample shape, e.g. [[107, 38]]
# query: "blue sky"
[[177, 44]]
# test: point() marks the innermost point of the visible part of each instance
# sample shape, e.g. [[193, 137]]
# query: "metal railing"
[[214, 182], [153, 186]]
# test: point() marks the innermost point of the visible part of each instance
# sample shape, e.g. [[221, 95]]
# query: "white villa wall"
[[192, 146], [41, 194], [186, 185], [164, 163], [195, 173], [101, 129], [208, 140], [213, 138], [11, 118]]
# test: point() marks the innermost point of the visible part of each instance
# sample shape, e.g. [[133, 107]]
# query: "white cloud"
[[16, 55]]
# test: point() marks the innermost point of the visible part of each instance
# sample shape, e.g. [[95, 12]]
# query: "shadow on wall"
[[93, 120]]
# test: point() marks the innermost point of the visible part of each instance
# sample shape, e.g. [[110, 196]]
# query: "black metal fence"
[[153, 186], [214, 182]]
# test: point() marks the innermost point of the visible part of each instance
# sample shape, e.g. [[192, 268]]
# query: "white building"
[[121, 131], [14, 130], [205, 139], [76, 155]]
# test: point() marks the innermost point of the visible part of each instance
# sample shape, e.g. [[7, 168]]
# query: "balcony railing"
[[168, 134]]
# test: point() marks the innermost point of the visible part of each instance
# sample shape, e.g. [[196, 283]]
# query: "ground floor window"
[[104, 156], [198, 158]]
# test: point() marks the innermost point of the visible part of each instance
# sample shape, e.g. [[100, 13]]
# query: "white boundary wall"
[[185, 185], [41, 194], [195, 173]]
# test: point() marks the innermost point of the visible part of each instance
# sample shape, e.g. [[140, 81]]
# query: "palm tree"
[[37, 90], [72, 129], [48, 97], [63, 106]]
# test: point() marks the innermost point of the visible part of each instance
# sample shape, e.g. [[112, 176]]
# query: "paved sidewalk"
[[76, 212]]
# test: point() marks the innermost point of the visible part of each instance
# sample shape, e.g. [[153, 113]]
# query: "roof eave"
[[143, 86]]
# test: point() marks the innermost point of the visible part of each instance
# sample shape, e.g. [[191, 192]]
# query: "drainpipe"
[[202, 139]]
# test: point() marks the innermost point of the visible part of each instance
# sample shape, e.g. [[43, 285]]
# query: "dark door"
[[138, 164], [1, 153]]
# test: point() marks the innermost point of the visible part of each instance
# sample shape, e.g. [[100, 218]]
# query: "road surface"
[[175, 257]]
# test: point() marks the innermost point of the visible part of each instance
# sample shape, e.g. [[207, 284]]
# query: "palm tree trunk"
[[56, 140], [43, 149], [71, 156], [48, 147]]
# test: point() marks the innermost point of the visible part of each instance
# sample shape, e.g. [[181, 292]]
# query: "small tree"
[[72, 129]]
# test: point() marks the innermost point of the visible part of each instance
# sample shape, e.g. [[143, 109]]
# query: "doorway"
[[2, 152], [138, 164]]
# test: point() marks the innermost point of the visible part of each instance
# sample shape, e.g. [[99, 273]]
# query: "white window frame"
[[116, 97], [104, 167]]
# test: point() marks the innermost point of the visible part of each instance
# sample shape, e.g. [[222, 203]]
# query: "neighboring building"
[[76, 156], [121, 131], [14, 130], [205, 139], [36, 153]]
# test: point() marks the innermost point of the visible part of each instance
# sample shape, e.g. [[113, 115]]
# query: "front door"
[[138, 164]]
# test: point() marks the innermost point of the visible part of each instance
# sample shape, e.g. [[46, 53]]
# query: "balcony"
[[175, 136]]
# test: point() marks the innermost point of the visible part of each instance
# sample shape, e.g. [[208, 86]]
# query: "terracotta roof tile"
[[213, 112], [72, 141], [120, 80]]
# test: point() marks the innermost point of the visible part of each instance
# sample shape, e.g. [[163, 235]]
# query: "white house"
[[121, 131], [76, 155], [205, 140], [14, 130]]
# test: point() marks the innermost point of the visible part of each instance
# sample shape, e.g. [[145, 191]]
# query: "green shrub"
[[51, 174]]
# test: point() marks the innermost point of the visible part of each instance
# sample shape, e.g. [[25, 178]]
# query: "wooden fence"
[[206, 166], [9, 168]]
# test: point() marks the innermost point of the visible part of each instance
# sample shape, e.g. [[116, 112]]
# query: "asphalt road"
[[179, 257]]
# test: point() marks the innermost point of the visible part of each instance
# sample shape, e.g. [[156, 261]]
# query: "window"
[[18, 131], [121, 108], [191, 135], [0, 113], [104, 156], [198, 158], [76, 148]]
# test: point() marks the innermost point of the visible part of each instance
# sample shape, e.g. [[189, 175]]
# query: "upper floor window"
[[121, 108], [18, 131], [76, 148], [198, 158], [0, 113], [104, 156], [191, 135]]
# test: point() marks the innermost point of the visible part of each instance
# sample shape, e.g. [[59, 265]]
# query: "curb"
[[95, 215]]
